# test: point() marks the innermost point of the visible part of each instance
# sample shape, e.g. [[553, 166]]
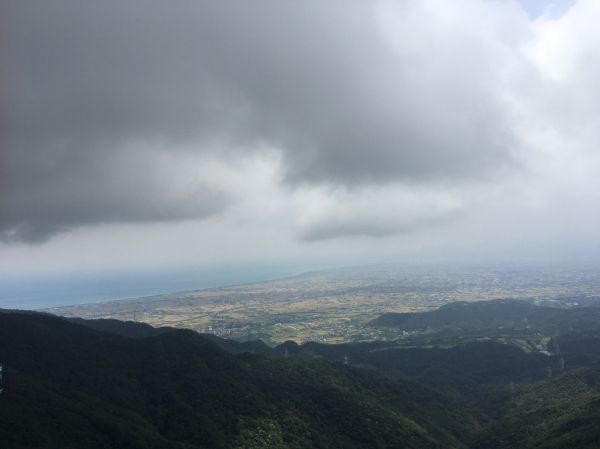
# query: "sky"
[[150, 136]]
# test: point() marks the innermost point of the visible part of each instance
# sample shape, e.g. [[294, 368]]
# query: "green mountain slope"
[[469, 371], [501, 313], [69, 386], [558, 413]]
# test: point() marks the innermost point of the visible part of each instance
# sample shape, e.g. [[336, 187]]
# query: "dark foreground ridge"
[[70, 386], [112, 384]]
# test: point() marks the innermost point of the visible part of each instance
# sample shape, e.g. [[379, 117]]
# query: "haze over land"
[[141, 137], [337, 305]]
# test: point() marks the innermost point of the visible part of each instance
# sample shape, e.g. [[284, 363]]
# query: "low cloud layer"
[[374, 212], [378, 118]]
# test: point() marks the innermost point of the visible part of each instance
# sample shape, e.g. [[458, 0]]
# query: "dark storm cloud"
[[86, 85]]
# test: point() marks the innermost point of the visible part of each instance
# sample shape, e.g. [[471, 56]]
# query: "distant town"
[[336, 306]]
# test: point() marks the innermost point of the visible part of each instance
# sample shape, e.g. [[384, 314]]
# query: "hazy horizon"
[[40, 293]]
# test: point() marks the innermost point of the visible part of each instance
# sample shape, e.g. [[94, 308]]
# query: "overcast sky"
[[145, 134]]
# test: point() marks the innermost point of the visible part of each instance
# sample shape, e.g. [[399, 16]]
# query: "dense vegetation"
[[563, 412], [111, 384], [500, 313], [67, 385]]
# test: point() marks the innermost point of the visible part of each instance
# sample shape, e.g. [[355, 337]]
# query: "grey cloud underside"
[[88, 81], [84, 192]]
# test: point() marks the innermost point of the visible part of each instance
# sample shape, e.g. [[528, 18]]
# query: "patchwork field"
[[334, 306]]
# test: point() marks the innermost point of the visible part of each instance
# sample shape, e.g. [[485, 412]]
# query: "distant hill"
[[131, 329], [70, 386], [501, 313]]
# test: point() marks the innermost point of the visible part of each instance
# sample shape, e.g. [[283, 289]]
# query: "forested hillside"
[[500, 313], [67, 385], [111, 384]]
